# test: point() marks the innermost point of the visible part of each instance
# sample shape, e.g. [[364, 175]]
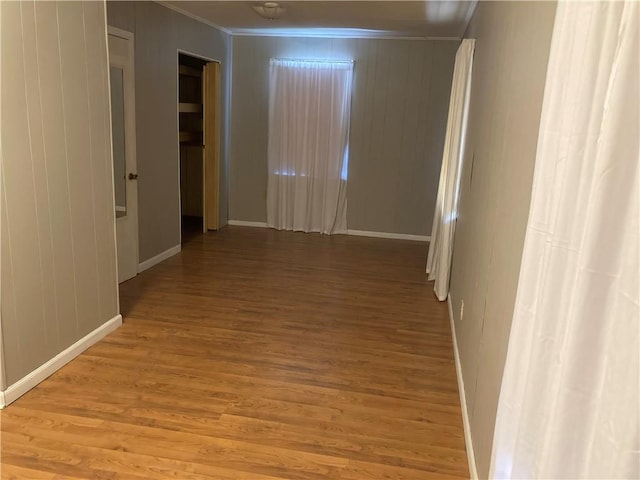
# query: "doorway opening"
[[198, 124]]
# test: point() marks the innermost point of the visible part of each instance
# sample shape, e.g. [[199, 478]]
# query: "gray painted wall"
[[58, 246], [512, 50], [399, 113], [159, 34]]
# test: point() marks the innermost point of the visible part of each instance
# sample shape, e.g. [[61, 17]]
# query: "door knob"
[[133, 176]]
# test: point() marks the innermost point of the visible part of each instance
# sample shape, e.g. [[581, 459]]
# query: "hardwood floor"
[[257, 354]]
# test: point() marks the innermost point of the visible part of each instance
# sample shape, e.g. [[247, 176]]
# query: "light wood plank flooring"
[[257, 354]]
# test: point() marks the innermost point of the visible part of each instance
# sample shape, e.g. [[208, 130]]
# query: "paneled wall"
[[398, 120], [512, 51], [58, 245], [159, 34]]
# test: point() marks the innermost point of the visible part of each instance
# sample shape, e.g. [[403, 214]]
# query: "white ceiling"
[[431, 19]]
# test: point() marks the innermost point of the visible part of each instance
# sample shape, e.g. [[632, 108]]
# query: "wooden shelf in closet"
[[191, 138], [189, 107], [189, 71]]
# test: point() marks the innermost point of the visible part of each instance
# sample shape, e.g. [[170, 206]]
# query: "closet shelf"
[[193, 138], [189, 107], [189, 71]]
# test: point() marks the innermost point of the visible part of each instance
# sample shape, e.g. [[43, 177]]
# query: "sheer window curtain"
[[309, 113], [569, 401], [445, 214]]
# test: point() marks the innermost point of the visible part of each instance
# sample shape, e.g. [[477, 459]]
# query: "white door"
[[125, 175]]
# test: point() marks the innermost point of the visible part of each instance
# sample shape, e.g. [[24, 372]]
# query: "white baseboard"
[[26, 383], [471, 457], [359, 233], [147, 264], [396, 236], [242, 223]]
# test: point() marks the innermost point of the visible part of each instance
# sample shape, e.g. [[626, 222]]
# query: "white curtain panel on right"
[[309, 111], [569, 403], [446, 211]]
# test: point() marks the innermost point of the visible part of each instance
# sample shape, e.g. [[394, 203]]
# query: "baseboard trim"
[[395, 236], [242, 223], [153, 261], [471, 457], [22, 386], [359, 233]]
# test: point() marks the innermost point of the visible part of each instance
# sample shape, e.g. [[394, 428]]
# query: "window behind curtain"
[[309, 112]]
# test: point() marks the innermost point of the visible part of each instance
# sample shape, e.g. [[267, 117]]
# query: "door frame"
[[177, 102], [130, 127], [211, 87]]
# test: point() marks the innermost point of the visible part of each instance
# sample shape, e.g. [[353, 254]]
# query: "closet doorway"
[[199, 137]]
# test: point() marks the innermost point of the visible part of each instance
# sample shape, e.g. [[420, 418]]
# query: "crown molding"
[[311, 34], [194, 17]]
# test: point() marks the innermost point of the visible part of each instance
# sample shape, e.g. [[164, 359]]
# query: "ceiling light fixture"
[[270, 10]]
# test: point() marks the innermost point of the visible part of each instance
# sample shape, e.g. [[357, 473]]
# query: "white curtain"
[[569, 401], [309, 109], [446, 212]]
